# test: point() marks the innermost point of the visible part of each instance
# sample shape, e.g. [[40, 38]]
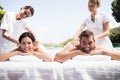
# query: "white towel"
[[92, 58], [27, 58]]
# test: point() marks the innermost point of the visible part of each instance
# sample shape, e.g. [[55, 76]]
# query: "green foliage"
[[51, 44], [57, 45], [116, 10], [115, 36], [116, 44], [2, 12], [66, 41], [115, 33]]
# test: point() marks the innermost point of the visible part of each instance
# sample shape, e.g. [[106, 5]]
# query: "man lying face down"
[[87, 42], [86, 46]]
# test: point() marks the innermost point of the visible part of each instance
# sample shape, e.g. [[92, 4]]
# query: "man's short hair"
[[30, 8], [86, 33]]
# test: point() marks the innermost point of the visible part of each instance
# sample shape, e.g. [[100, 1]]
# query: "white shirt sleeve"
[[106, 17], [4, 23]]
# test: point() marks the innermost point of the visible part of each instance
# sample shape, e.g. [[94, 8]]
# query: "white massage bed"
[[84, 68]]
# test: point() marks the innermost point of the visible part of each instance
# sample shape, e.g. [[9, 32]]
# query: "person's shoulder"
[[103, 13], [10, 12], [98, 48], [87, 17]]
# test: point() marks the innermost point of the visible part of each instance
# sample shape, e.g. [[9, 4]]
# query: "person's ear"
[[98, 5], [21, 8]]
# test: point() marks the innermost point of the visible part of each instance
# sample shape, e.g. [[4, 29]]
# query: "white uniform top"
[[14, 28], [97, 28]]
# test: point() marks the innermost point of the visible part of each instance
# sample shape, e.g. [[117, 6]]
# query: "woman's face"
[[26, 44], [92, 7]]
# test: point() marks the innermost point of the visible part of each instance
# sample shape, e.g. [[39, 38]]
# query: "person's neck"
[[93, 14], [17, 16], [79, 48]]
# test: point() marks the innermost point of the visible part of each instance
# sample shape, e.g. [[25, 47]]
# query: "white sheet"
[[69, 70], [91, 58], [28, 58], [92, 70]]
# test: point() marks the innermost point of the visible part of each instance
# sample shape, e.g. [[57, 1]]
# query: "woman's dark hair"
[[30, 8], [26, 34]]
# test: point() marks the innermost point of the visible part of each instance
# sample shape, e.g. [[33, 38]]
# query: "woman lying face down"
[[27, 46], [27, 42]]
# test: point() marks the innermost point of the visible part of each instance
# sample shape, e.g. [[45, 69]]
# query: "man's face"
[[87, 44], [24, 13]]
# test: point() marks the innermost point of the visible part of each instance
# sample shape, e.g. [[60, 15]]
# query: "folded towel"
[[28, 58], [92, 58]]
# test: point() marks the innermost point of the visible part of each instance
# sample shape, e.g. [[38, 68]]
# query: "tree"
[[115, 35], [66, 41], [2, 12], [116, 10]]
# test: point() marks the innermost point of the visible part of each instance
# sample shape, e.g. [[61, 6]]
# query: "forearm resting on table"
[[114, 55], [6, 56], [43, 56], [65, 55]]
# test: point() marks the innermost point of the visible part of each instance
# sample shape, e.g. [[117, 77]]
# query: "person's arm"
[[8, 37], [45, 57], [17, 51], [68, 54], [76, 36], [6, 56], [106, 31], [65, 55], [29, 30], [5, 26], [114, 55]]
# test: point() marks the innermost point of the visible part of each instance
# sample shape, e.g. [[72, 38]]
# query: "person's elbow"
[[107, 32], [58, 58]]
